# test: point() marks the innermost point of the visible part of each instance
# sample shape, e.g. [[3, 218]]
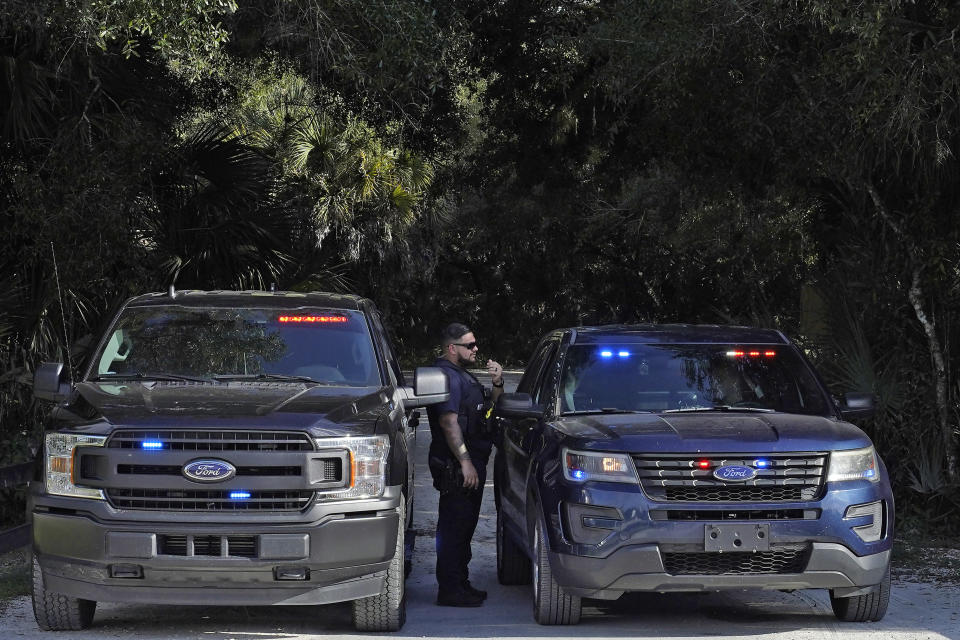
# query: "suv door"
[[519, 434]]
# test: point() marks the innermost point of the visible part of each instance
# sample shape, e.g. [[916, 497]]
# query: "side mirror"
[[518, 405], [430, 386], [46, 382], [858, 406]]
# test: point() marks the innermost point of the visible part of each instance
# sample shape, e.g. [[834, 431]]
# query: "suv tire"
[[869, 607], [387, 611], [551, 605], [513, 566], [57, 612]]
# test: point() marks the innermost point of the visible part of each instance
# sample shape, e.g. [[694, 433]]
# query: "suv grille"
[[782, 559], [790, 477], [204, 500], [213, 440]]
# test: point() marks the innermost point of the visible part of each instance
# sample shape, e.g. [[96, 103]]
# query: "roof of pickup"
[[676, 333], [285, 299]]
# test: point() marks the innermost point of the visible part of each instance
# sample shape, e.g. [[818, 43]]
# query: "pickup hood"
[[322, 410], [709, 432]]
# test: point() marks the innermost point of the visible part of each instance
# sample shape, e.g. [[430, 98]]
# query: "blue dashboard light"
[[151, 444], [623, 354], [606, 354], [239, 495]]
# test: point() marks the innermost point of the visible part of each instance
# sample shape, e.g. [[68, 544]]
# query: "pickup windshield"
[[688, 378], [330, 346]]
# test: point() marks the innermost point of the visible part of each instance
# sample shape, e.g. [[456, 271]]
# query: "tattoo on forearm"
[[454, 437]]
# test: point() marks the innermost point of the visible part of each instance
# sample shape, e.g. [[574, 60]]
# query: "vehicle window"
[[387, 345], [542, 388], [327, 345], [531, 374], [641, 377]]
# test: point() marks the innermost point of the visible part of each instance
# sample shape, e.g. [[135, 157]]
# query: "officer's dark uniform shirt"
[[467, 399]]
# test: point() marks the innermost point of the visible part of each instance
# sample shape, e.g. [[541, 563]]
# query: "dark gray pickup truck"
[[229, 448]]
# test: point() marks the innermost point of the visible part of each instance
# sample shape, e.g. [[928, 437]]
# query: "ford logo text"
[[735, 473], [209, 471]]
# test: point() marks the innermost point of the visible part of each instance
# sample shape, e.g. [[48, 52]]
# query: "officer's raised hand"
[[496, 372]]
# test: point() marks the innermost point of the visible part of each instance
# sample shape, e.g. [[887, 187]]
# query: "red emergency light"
[[752, 354], [313, 319]]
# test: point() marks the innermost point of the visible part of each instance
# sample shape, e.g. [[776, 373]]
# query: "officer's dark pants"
[[456, 521]]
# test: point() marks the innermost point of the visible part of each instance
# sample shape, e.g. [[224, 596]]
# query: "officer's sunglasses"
[[466, 345]]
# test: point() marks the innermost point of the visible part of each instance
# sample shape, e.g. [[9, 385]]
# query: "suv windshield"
[[322, 345], [675, 377]]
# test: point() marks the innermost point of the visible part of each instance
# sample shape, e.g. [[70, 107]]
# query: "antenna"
[[173, 292], [63, 316]]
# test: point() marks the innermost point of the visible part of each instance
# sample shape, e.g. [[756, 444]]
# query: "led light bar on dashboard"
[[313, 319]]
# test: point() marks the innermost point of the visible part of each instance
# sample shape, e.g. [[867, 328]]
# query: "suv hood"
[[233, 404], [713, 431]]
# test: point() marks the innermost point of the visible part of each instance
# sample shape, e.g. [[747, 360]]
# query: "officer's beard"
[[463, 363]]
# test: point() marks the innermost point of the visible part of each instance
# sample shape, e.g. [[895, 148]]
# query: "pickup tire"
[[387, 611], [513, 566], [551, 605], [869, 607], [57, 612]]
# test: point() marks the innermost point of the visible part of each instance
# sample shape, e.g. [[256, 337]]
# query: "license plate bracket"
[[736, 537]]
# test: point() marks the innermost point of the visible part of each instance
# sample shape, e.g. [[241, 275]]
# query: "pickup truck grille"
[[212, 440], [273, 470], [203, 500], [788, 558], [218, 546], [790, 477]]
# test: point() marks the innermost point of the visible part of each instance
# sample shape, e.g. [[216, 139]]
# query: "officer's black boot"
[[461, 598]]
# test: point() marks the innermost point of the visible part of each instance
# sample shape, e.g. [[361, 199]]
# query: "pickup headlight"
[[580, 466], [856, 464], [367, 466], [60, 453]]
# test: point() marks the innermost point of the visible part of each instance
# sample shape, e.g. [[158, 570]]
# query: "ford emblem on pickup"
[[209, 471], [735, 473]]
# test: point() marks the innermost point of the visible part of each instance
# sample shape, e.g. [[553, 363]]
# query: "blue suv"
[[687, 458]]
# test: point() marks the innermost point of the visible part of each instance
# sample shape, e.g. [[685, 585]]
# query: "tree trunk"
[[940, 372], [915, 294]]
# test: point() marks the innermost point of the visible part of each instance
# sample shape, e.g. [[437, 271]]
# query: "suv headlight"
[[855, 464], [367, 466], [580, 466], [60, 453]]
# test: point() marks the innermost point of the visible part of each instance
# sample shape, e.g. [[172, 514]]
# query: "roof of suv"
[[677, 333], [286, 299]]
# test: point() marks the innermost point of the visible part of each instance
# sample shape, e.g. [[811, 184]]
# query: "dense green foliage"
[[518, 165]]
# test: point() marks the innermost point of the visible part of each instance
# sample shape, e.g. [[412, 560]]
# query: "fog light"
[[867, 532]]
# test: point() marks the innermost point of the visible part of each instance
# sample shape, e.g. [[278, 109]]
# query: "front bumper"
[[608, 538], [336, 552], [640, 568]]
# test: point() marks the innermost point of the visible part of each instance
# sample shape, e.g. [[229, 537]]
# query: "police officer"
[[459, 450]]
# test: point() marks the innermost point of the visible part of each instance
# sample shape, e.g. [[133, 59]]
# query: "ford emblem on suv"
[[735, 473], [209, 471]]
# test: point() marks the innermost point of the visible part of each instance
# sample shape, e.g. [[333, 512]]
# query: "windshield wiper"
[[719, 407], [585, 412], [279, 377], [149, 375]]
